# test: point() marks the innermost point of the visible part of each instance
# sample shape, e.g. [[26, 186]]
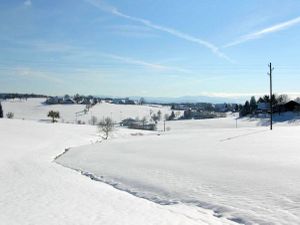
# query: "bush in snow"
[[9, 115], [54, 115], [106, 126], [80, 122]]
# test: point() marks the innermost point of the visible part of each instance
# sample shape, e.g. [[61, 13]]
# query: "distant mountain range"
[[193, 99], [187, 99], [161, 100]]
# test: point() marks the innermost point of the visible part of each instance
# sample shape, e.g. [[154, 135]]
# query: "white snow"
[[35, 190], [247, 174], [208, 171]]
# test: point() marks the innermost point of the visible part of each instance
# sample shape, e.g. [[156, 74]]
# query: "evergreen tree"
[[245, 110], [54, 115], [253, 104], [236, 108], [266, 98], [1, 111], [260, 100], [172, 116]]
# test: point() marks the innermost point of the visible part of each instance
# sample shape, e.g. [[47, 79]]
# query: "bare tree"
[[297, 99], [142, 101], [159, 114], [155, 118], [106, 126], [282, 99], [144, 121], [93, 120]]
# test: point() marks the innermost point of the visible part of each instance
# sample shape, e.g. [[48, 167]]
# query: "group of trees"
[[200, 114], [250, 107], [155, 117], [171, 116], [20, 96], [106, 125], [158, 117]]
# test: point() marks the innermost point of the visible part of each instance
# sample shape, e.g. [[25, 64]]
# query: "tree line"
[[251, 106]]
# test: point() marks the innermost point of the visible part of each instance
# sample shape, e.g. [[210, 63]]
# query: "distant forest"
[[21, 96]]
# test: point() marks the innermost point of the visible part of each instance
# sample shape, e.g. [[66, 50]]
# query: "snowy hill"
[[194, 99], [199, 172], [34, 109], [249, 175], [35, 190]]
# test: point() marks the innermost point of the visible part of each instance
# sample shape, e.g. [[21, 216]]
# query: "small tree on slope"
[[106, 126], [54, 115]]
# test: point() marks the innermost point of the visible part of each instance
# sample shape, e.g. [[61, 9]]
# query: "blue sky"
[[149, 47]]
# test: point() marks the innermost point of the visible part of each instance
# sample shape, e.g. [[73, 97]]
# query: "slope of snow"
[[34, 109], [249, 175], [35, 190]]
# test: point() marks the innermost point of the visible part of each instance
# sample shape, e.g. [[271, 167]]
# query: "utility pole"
[[271, 100]]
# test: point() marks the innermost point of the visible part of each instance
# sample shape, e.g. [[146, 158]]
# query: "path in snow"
[[250, 175], [34, 190]]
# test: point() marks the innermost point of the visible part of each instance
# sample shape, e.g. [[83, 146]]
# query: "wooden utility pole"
[[271, 99]]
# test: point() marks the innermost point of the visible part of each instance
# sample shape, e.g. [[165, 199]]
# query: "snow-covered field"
[[35, 190], [34, 109], [249, 175], [200, 172]]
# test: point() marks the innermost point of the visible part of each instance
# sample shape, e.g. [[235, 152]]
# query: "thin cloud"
[[52, 47], [28, 3], [263, 32], [145, 64], [81, 52], [42, 45], [214, 49], [30, 73], [132, 31]]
